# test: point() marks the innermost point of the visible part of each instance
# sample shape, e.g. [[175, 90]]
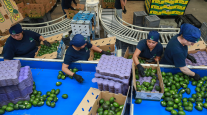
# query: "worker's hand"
[[78, 78], [191, 58], [150, 60], [104, 52], [196, 77], [47, 43], [124, 11], [140, 70]]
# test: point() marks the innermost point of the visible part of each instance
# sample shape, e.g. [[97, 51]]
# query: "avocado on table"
[[205, 105], [58, 83], [9, 109], [2, 111], [199, 108], [138, 101], [173, 112], [188, 108], [28, 106], [64, 96]]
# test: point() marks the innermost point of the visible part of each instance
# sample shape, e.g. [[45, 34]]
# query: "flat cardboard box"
[[149, 95], [104, 44], [90, 102], [9, 14], [199, 46]]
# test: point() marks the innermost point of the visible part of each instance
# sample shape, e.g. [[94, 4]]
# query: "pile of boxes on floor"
[[35, 8], [83, 23], [113, 74], [70, 13], [16, 82]]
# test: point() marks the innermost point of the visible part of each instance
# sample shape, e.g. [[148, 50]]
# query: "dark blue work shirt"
[[21, 48], [145, 51], [118, 4], [175, 53], [74, 55]]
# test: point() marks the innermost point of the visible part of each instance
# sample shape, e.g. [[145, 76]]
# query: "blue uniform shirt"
[[175, 53], [74, 55], [145, 51], [21, 48]]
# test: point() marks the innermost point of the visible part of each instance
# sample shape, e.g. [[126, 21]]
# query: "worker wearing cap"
[[148, 48], [78, 50], [22, 43], [177, 51]]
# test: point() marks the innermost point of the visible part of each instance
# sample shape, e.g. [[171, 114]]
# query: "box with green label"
[[94, 98]]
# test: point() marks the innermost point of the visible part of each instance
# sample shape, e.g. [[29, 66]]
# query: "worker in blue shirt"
[[177, 51], [22, 43], [120, 7], [66, 4], [148, 48], [78, 50]]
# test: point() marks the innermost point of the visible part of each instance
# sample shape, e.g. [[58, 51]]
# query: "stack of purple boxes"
[[201, 58], [113, 74], [16, 83]]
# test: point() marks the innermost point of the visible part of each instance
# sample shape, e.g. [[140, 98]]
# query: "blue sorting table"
[[148, 107], [45, 76]]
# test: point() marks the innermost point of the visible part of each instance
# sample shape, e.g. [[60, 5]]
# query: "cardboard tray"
[[199, 46], [104, 44], [90, 102], [149, 95]]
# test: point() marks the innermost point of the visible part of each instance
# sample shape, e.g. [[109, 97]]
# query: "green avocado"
[[180, 108], [168, 99], [9, 109], [181, 113], [163, 103], [50, 98], [185, 104], [170, 104], [35, 92], [59, 76], [185, 99], [22, 107], [111, 100], [100, 109], [205, 105], [52, 104], [101, 101], [175, 96], [52, 91], [10, 105], [105, 106], [169, 109], [48, 103], [34, 103], [167, 94], [28, 106], [190, 104], [199, 108], [177, 100], [199, 85], [2, 111], [175, 106], [173, 112], [58, 83], [187, 90], [40, 103], [48, 93], [62, 77], [115, 104], [199, 100], [57, 91], [16, 106], [182, 91], [194, 96], [150, 88], [138, 101], [191, 100], [64, 96], [158, 88], [188, 108]]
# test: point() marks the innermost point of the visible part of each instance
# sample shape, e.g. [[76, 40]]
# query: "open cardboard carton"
[[104, 44], [2, 42], [70, 13], [9, 14], [127, 54], [149, 95], [51, 40], [90, 102]]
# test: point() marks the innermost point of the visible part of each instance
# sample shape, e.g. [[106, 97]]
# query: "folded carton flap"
[[197, 46], [104, 41], [108, 47], [87, 103], [126, 55]]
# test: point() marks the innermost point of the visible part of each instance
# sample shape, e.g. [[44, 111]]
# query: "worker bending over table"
[[148, 48], [22, 43], [79, 49], [177, 49]]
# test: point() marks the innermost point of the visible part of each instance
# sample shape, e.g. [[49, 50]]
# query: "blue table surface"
[[148, 107], [45, 80]]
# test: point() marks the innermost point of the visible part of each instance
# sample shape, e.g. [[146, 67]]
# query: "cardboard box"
[[4, 33], [78, 7], [28, 1], [70, 13], [90, 102], [35, 10], [22, 8], [104, 44], [18, 1], [199, 46], [2, 42], [9, 14], [149, 95]]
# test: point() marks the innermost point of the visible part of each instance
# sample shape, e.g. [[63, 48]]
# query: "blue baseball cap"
[[153, 35], [16, 29], [190, 32], [78, 40]]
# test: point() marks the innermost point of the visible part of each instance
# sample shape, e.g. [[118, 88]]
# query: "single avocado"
[[170, 104], [181, 113], [57, 91], [167, 94], [48, 93], [187, 90], [64, 96], [9, 109], [185, 104], [37, 96], [22, 107], [194, 96], [52, 104], [199, 85], [191, 100], [199, 108], [158, 88], [10, 105], [180, 108], [35, 92], [101, 101], [190, 104], [172, 92], [34, 103], [185, 99], [203, 88], [16, 106], [50, 98], [173, 112], [40, 103], [99, 109], [48, 103], [205, 105], [175, 96], [137, 77], [111, 100], [52, 91], [2, 111], [182, 91], [106, 112], [113, 108], [58, 83], [168, 99], [177, 100], [55, 99], [28, 106], [188, 108], [115, 104], [60, 72], [59, 76], [163, 103], [138, 101], [107, 102], [39, 93], [62, 77], [177, 85], [150, 88], [199, 100], [199, 104], [105, 106], [198, 95], [166, 89], [169, 108]]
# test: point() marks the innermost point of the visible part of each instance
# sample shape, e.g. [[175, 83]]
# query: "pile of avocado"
[[98, 55], [146, 86], [130, 57], [142, 61], [174, 87], [62, 76], [109, 107], [48, 50]]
